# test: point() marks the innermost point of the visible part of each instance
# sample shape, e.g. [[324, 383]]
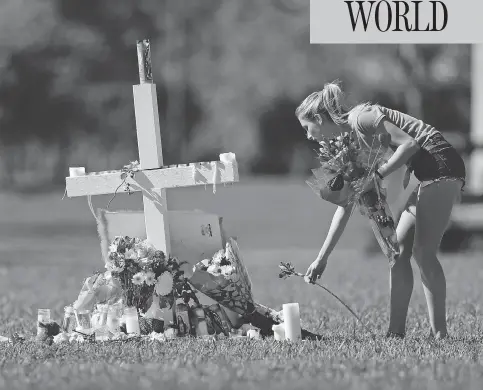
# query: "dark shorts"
[[437, 160]]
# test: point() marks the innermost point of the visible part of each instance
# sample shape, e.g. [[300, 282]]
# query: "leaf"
[[407, 177]]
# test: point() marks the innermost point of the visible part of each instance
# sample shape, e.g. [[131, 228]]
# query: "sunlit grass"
[[45, 268], [346, 357]]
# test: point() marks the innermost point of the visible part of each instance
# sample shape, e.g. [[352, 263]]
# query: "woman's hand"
[[315, 270]]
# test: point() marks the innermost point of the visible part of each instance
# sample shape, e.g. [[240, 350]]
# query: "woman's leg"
[[401, 279], [433, 213]]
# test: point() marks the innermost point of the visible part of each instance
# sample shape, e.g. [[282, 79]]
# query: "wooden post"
[[144, 61], [150, 148]]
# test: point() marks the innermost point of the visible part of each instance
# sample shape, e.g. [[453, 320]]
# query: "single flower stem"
[[342, 302]]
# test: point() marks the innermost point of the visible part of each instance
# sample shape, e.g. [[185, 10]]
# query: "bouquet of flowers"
[[344, 162], [143, 272], [373, 204], [225, 279]]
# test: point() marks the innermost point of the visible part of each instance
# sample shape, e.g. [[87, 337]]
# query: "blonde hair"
[[328, 103]]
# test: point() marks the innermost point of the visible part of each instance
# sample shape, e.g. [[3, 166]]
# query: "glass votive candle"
[[103, 310], [113, 321], [77, 171], [83, 320], [69, 322], [132, 320], [43, 316]]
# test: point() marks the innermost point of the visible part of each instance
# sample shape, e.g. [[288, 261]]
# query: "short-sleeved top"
[[365, 117]]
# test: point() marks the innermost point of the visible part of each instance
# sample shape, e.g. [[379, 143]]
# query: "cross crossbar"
[[194, 174]]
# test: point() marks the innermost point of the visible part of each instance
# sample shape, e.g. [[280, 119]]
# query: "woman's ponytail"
[[328, 102], [333, 99]]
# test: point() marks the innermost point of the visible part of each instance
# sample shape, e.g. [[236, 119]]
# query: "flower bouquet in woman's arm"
[[373, 204], [344, 163]]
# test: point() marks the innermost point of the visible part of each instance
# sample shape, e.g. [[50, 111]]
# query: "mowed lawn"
[[48, 245]]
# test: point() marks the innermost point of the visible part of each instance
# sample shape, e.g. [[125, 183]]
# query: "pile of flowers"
[[224, 278], [142, 271], [346, 163]]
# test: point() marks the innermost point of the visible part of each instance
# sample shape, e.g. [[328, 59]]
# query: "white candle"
[[279, 331], [77, 171], [253, 334], [228, 158], [132, 320], [291, 318]]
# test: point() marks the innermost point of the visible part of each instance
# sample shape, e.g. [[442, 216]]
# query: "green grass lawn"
[[48, 245]]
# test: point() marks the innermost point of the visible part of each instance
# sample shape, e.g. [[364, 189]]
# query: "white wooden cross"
[[152, 178]]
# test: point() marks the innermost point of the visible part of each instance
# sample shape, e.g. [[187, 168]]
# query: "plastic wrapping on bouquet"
[[373, 204], [338, 192], [232, 291], [217, 319], [235, 296]]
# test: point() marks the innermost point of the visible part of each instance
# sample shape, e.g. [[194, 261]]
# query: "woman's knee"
[[422, 253], [427, 260], [405, 252], [405, 234]]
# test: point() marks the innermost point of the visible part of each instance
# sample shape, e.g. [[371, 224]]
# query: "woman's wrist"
[[379, 174], [380, 171]]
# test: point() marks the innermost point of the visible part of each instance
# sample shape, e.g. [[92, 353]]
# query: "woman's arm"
[[406, 147], [339, 222]]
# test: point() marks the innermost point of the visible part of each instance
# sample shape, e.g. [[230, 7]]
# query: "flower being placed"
[[164, 285], [286, 270]]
